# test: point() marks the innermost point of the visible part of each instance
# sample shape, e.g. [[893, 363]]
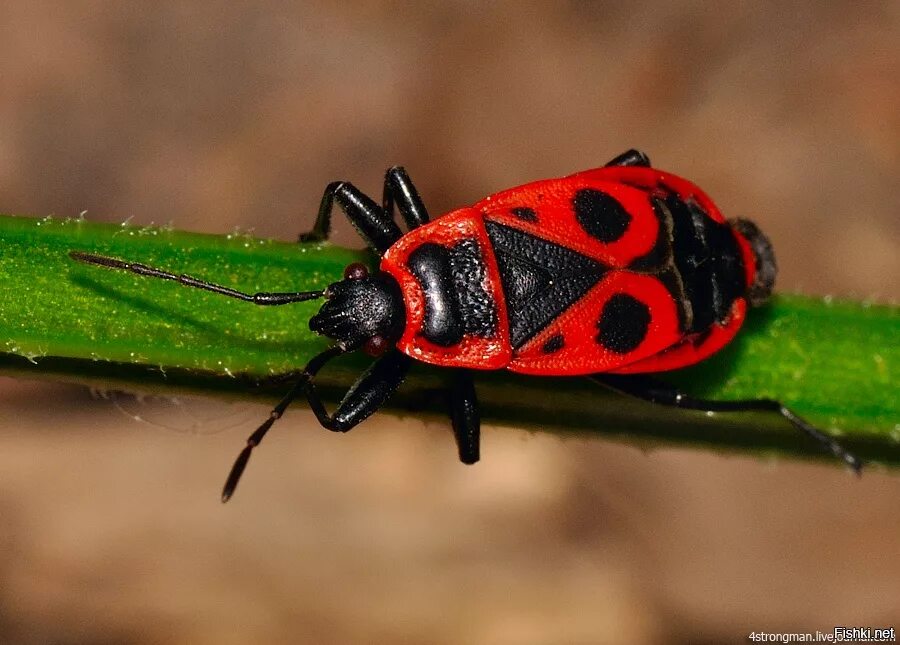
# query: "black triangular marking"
[[540, 279], [529, 281]]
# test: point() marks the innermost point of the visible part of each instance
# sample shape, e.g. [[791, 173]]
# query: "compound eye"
[[375, 346], [356, 271]]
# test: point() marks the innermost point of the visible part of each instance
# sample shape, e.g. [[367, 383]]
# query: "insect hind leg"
[[650, 389], [631, 158]]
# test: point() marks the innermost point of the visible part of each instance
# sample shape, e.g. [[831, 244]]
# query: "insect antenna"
[[261, 298]]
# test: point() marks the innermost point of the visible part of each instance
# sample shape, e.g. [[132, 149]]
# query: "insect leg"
[[399, 188], [371, 222], [369, 393], [649, 389], [300, 384], [631, 158], [465, 417], [262, 298]]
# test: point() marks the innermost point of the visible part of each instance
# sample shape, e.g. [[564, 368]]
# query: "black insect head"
[[357, 309]]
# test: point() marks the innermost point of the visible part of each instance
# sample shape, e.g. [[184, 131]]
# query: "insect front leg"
[[301, 380], [631, 158], [369, 393], [465, 417], [399, 189], [649, 389], [371, 222]]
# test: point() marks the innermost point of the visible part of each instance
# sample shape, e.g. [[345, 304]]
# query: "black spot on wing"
[[553, 344], [525, 214], [600, 215], [623, 323]]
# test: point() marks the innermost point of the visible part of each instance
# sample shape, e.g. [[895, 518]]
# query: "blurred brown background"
[[216, 115]]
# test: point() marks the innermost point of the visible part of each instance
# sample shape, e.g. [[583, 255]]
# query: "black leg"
[[300, 384], [368, 394], [465, 417], [398, 187], [631, 158], [649, 389], [262, 298], [375, 227]]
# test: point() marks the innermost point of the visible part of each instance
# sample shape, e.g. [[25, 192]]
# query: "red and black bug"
[[612, 273]]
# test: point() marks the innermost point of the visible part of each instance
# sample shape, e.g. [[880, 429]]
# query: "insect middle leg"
[[399, 189], [650, 389], [465, 417]]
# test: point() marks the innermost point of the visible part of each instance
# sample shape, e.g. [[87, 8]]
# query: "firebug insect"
[[613, 273]]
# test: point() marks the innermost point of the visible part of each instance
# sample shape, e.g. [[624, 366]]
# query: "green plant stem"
[[834, 362]]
